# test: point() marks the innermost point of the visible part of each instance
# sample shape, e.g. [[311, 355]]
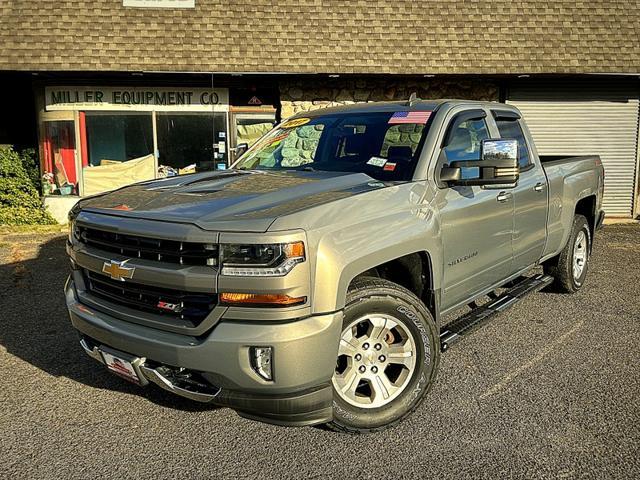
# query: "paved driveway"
[[550, 388]]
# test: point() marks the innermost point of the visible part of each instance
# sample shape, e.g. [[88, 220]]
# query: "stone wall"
[[310, 93]]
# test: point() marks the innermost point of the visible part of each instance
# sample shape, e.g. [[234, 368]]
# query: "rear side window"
[[510, 128]]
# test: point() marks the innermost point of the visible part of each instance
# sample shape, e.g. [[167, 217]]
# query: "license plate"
[[120, 366]]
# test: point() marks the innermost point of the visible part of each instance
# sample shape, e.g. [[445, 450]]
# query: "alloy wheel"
[[376, 360], [580, 254]]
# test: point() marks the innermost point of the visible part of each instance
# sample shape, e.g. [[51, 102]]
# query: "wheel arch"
[[587, 207], [413, 270]]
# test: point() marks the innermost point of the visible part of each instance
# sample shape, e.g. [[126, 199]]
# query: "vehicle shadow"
[[35, 325]]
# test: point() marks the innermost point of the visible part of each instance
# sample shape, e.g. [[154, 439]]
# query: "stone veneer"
[[304, 94]]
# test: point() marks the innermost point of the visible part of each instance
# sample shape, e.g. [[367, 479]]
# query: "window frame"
[[456, 119], [510, 115]]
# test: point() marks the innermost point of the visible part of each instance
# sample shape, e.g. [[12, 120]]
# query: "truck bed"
[[570, 180]]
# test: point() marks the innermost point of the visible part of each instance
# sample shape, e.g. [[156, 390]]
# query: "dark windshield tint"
[[382, 145]]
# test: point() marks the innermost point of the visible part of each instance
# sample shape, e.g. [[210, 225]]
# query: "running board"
[[460, 327]]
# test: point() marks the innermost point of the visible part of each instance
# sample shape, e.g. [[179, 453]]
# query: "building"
[[113, 91]]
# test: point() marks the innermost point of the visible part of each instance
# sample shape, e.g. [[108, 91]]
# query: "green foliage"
[[19, 200], [31, 166]]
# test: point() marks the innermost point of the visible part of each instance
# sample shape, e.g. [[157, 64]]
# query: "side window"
[[510, 128], [464, 141]]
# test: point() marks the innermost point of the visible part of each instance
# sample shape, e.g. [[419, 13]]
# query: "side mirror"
[[498, 166]]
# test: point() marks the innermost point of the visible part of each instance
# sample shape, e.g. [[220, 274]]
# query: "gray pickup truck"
[[307, 283]]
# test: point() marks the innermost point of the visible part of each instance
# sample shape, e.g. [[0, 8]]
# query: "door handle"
[[503, 197], [539, 186]]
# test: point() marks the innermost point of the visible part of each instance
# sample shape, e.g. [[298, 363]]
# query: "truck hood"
[[230, 200]]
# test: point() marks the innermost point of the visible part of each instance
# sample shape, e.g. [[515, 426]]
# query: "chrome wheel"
[[580, 254], [376, 360]]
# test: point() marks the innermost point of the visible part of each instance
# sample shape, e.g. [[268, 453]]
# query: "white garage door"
[[586, 119]]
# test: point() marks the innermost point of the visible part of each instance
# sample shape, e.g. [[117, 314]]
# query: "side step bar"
[[460, 327]]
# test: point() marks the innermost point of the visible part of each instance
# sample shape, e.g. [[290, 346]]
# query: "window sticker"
[[277, 139], [410, 117], [389, 167], [377, 161], [273, 141], [296, 122]]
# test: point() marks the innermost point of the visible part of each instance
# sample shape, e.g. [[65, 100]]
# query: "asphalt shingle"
[[310, 36]]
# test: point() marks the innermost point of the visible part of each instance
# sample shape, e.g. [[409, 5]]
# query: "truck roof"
[[394, 106]]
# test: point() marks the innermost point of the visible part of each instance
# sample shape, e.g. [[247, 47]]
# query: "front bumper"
[[304, 355]]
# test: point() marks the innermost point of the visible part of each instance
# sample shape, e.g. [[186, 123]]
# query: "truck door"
[[476, 223], [529, 196]]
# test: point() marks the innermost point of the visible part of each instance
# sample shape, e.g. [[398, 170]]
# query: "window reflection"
[[191, 142], [117, 150]]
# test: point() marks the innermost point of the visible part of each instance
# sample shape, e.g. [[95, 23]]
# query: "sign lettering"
[[136, 98]]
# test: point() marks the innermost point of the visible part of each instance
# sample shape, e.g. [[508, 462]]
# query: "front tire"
[[387, 359], [569, 269]]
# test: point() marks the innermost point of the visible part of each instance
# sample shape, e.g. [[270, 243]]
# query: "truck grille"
[[189, 306], [170, 251]]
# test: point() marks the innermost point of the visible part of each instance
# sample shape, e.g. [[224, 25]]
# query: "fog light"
[[261, 361]]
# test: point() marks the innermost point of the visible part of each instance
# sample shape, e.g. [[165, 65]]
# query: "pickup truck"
[[307, 284]]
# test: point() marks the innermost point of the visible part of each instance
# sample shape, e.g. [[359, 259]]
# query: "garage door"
[[586, 119]]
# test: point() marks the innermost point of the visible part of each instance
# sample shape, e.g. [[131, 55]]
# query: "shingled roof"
[[330, 36]]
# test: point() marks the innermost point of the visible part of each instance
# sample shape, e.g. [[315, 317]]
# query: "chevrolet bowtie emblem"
[[118, 270]]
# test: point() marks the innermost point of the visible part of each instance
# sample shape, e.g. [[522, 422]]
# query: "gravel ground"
[[549, 389]]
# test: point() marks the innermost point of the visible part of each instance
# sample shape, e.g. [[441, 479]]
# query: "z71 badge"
[[171, 307]]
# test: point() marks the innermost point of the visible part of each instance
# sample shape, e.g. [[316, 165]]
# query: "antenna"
[[412, 99]]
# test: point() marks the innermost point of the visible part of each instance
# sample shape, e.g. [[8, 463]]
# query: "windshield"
[[384, 145]]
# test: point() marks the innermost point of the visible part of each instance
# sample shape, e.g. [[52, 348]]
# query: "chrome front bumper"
[[308, 407], [148, 374]]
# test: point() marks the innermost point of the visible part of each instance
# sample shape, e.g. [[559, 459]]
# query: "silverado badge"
[[118, 270]]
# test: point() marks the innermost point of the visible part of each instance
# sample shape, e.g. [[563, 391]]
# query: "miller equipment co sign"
[[159, 3], [136, 98]]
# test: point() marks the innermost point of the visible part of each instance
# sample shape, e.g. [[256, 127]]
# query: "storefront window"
[[191, 142], [250, 129], [60, 176], [99, 138], [118, 137], [117, 149]]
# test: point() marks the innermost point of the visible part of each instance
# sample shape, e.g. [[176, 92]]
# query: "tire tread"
[[560, 267]]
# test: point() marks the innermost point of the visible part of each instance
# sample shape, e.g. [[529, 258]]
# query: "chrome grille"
[[134, 246]]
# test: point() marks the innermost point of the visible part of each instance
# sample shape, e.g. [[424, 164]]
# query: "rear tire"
[[569, 269], [387, 359]]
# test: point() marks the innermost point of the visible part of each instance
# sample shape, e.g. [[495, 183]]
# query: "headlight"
[[273, 260], [72, 230]]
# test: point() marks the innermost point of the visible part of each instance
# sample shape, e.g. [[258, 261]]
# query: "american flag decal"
[[410, 117]]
